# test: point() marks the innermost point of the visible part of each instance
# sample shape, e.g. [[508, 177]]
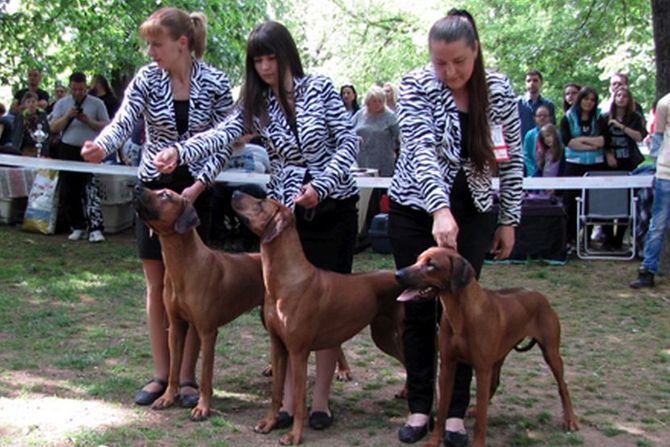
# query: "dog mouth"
[[413, 294]]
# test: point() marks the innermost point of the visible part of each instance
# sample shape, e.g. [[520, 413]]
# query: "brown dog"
[[480, 327], [308, 309], [203, 287]]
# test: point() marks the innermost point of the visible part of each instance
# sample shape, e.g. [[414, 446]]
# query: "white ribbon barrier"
[[552, 183]]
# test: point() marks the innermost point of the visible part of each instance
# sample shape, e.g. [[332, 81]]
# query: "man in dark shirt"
[[529, 103], [34, 77]]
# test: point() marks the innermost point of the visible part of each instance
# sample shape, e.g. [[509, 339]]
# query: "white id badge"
[[500, 148]]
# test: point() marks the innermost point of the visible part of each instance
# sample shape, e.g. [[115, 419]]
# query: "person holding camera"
[[78, 117]]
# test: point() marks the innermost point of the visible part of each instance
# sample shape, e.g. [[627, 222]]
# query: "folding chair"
[[605, 207]]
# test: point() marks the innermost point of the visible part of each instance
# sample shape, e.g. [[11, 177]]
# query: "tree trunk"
[[660, 11]]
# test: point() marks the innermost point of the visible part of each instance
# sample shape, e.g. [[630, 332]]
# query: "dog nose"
[[399, 276]]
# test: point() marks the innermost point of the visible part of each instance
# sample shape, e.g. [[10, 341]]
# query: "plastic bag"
[[42, 208]]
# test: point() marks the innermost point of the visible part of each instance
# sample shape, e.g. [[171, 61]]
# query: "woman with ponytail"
[[460, 126], [177, 96]]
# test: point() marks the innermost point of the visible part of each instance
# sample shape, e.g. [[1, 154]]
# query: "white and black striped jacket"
[[149, 94], [326, 149], [431, 145]]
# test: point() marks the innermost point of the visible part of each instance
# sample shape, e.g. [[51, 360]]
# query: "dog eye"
[[163, 195], [430, 265]]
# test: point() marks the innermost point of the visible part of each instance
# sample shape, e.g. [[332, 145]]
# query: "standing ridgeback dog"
[[307, 309], [203, 287], [480, 327]]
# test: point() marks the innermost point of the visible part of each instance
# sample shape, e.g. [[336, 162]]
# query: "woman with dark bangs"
[[177, 96], [350, 99], [312, 146]]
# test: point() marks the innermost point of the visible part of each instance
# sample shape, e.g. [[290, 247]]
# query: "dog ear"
[[461, 274], [187, 220], [281, 220]]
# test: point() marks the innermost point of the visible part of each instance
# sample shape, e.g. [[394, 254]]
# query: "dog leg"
[[279, 358], [177, 336], [553, 358], [207, 347], [299, 368], [447, 377], [484, 376], [343, 370]]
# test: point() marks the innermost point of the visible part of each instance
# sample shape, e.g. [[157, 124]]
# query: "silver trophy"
[[39, 136]]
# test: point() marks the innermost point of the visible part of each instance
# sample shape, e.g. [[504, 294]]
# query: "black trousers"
[[72, 188], [410, 231], [328, 233]]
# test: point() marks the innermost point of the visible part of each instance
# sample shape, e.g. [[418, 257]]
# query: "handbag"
[[42, 210]]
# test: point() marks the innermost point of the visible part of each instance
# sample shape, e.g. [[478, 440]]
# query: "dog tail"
[[528, 347]]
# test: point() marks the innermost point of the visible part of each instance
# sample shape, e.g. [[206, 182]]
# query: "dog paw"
[[289, 439], [570, 425], [199, 414], [343, 375], [264, 426], [402, 394], [163, 402], [267, 371]]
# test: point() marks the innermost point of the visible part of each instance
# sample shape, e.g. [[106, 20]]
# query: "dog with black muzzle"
[[203, 287], [480, 327]]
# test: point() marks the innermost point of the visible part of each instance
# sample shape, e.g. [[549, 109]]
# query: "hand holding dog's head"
[[436, 270]]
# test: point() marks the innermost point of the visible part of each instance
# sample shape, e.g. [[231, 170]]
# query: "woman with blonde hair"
[[178, 96]]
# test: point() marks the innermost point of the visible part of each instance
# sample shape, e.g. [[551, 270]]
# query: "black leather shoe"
[[320, 420], [645, 278], [188, 400], [410, 434], [455, 439], [148, 397], [283, 420]]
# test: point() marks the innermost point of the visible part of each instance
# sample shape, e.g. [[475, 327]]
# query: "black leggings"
[[410, 231]]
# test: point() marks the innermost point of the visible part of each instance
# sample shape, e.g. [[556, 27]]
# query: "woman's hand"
[[445, 228], [92, 153], [503, 242], [166, 160], [192, 192], [307, 198]]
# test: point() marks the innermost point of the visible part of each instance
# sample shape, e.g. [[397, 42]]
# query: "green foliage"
[[100, 36], [374, 41]]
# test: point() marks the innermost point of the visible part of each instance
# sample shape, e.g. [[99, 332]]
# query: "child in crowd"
[[549, 155], [26, 123]]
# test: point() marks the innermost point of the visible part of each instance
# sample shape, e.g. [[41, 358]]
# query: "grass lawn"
[[74, 349]]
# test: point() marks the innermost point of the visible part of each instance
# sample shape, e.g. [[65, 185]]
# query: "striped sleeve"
[[346, 143], [221, 107], [419, 141], [510, 172], [133, 105], [216, 141]]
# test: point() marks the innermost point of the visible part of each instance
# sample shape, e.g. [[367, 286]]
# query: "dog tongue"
[[408, 295]]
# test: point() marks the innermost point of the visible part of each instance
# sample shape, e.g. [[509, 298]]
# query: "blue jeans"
[[660, 218]]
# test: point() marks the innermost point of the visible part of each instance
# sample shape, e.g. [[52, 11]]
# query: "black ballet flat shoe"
[[148, 397], [283, 420], [455, 439], [320, 420], [410, 434], [188, 400]]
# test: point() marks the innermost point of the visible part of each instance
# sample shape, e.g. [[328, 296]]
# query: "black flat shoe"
[[148, 397], [410, 434], [188, 400], [283, 420], [455, 439], [320, 420]]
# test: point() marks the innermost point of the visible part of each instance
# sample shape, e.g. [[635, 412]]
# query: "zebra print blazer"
[[431, 145], [149, 94], [325, 149]]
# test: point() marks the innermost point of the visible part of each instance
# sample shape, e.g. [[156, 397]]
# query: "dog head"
[[165, 211], [436, 270], [266, 218]]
